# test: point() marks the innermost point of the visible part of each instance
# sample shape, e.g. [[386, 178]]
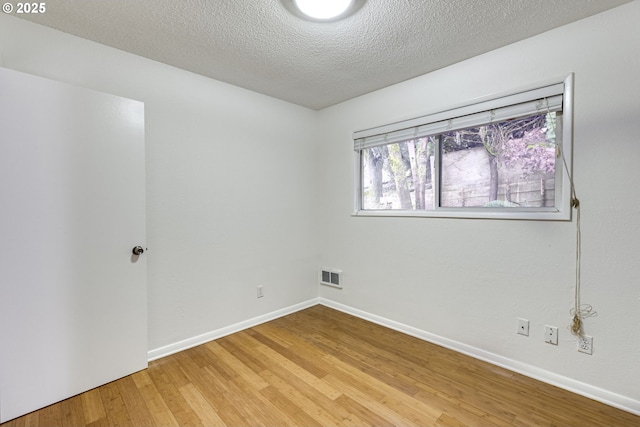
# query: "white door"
[[73, 311]]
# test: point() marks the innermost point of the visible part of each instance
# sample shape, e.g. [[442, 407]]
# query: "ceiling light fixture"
[[323, 10]]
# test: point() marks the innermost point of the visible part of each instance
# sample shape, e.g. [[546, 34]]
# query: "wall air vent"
[[331, 277]]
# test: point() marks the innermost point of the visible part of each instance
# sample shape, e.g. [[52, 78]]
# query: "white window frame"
[[561, 211]]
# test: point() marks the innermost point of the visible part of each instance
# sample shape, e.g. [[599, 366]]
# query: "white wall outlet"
[[585, 344], [260, 291], [523, 327], [551, 334]]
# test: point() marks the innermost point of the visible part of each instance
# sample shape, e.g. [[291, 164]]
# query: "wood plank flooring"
[[321, 367]]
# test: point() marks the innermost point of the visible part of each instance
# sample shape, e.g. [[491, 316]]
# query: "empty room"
[[320, 213]]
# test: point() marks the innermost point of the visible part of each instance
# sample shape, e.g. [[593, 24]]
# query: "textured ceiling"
[[261, 46]]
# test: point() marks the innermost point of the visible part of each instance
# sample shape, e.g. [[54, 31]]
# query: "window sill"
[[539, 214]]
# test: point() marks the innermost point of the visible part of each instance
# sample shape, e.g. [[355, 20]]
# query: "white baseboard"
[[587, 390], [228, 330], [609, 398]]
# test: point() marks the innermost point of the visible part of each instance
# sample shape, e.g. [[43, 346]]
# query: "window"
[[500, 158]]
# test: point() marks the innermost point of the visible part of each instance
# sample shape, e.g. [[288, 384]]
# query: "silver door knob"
[[138, 250]]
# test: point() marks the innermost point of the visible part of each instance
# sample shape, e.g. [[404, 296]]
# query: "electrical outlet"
[[585, 344], [551, 334], [260, 291], [523, 327]]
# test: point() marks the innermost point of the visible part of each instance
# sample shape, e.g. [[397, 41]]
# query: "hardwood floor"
[[321, 367]]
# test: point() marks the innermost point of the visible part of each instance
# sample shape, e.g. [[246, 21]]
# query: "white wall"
[[230, 182], [468, 280]]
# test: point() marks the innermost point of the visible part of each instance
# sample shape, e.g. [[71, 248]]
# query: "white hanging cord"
[[579, 311]]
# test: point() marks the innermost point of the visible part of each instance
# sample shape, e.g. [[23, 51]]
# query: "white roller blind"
[[523, 104]]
